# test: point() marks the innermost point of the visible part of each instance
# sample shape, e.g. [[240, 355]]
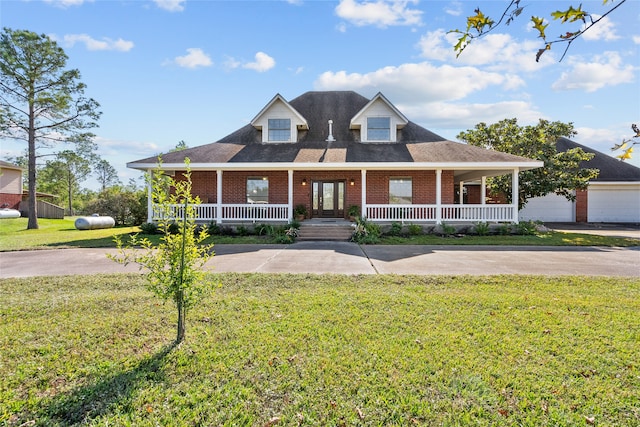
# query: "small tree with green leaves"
[[175, 264], [562, 172]]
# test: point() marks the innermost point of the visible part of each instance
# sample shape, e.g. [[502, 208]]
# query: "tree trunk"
[[181, 316], [69, 184], [32, 223]]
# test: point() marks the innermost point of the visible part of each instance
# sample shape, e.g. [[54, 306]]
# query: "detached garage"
[[614, 196]]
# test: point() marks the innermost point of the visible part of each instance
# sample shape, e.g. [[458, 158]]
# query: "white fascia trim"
[[610, 183], [342, 166]]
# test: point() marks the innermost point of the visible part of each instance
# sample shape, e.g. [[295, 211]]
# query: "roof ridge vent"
[[330, 138]]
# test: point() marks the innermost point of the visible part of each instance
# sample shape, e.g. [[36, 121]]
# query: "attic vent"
[[330, 138]]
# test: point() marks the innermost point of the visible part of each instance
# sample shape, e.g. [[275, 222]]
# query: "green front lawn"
[[289, 350], [61, 233]]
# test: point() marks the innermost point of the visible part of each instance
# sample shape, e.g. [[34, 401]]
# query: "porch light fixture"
[[304, 181], [352, 182]]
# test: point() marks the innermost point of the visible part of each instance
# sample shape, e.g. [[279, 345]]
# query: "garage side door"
[[615, 203], [550, 208]]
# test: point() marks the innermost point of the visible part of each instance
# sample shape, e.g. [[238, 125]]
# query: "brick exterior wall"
[[582, 197], [235, 185], [474, 194], [12, 200]]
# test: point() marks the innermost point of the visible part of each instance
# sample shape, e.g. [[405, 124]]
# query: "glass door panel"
[[328, 196]]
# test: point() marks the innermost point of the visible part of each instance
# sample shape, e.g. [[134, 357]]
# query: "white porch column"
[[219, 196], [150, 197], [363, 208], [515, 184], [290, 195], [461, 197], [483, 196], [438, 196]]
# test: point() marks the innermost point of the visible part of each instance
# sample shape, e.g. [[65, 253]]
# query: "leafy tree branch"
[[627, 144], [479, 25]]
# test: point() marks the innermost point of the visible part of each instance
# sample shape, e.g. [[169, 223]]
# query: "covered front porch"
[[362, 187]]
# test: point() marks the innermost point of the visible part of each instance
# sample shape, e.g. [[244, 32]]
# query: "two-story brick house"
[[332, 150]]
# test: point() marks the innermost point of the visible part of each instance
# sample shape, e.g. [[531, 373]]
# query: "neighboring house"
[[13, 197], [332, 150], [10, 185], [614, 196]]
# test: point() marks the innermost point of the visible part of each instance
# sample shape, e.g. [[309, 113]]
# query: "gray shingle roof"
[[611, 169], [415, 143]]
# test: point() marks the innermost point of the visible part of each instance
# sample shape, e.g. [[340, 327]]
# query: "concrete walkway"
[[350, 258]]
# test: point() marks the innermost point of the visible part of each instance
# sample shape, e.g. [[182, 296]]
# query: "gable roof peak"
[[280, 98], [379, 97]]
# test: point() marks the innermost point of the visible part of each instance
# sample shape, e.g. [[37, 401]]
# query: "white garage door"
[[614, 203], [549, 208]]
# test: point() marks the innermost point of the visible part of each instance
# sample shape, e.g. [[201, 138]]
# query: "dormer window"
[[280, 130], [378, 121], [378, 128]]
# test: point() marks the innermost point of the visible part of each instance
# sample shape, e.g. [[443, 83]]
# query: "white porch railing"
[[231, 212], [377, 213], [255, 212], [499, 213], [416, 213], [449, 213]]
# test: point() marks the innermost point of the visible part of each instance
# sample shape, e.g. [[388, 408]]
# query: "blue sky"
[[171, 70]]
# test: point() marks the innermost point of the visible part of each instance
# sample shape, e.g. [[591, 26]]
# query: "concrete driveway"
[[350, 258]]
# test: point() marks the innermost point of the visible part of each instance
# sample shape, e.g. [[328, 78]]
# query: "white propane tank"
[[94, 222], [9, 213]]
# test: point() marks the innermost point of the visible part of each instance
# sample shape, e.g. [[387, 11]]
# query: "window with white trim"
[[258, 190], [400, 191], [279, 130], [378, 128]]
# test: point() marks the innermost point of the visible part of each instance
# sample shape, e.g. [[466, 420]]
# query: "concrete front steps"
[[325, 230]]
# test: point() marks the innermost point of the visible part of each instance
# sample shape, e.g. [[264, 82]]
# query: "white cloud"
[[496, 52], [262, 63], [231, 63], [467, 115], [636, 39], [606, 70], [65, 3], [92, 44], [381, 13], [603, 30], [194, 58], [171, 5], [417, 82], [133, 149], [454, 8]]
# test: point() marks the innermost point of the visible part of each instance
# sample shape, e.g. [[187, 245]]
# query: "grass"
[[291, 350], [61, 233]]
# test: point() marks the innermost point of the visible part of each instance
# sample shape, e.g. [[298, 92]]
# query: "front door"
[[328, 199]]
